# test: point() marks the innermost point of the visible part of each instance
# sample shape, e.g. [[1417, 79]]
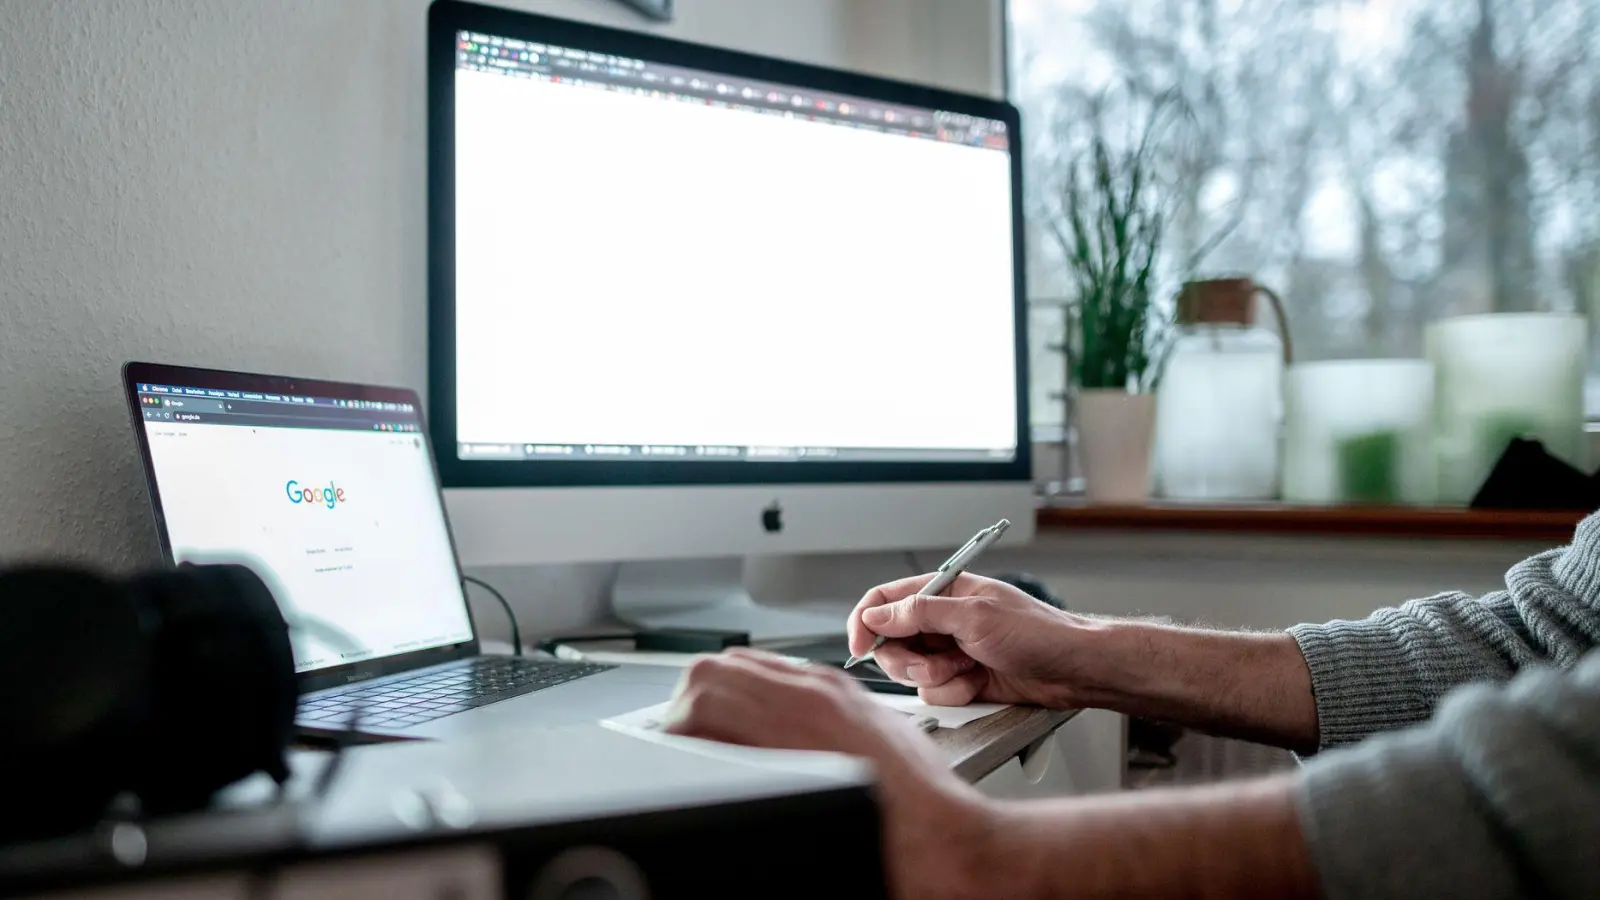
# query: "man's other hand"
[[934, 824]]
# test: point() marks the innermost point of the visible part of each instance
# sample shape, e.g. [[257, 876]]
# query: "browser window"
[[712, 268], [334, 505]]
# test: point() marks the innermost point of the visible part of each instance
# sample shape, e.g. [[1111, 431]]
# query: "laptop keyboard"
[[402, 703]]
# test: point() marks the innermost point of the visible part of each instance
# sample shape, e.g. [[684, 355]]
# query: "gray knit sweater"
[[1498, 794]]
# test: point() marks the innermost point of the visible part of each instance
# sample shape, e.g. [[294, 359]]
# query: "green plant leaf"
[[1110, 229]]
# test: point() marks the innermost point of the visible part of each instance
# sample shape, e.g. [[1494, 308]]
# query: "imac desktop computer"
[[690, 307]]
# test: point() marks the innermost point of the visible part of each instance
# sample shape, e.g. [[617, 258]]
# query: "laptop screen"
[[331, 500]]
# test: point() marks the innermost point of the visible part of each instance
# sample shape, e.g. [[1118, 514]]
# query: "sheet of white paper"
[[650, 718], [654, 658], [948, 716], [642, 657], [645, 724]]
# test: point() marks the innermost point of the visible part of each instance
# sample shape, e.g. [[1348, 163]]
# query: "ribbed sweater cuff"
[[1577, 570], [1361, 679]]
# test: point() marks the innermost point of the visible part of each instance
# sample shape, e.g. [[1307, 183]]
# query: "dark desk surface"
[[980, 747]]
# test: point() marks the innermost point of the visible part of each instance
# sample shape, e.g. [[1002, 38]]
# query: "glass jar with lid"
[[1219, 414]]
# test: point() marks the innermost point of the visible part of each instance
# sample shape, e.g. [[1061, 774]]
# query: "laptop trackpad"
[[585, 701]]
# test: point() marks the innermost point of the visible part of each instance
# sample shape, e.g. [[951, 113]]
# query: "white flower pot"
[[1115, 432]]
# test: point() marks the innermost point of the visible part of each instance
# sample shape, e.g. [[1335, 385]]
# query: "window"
[[1380, 163]]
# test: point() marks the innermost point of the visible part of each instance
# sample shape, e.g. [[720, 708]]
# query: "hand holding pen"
[[947, 573]]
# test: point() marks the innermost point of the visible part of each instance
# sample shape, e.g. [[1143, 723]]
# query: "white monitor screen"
[[332, 501], [657, 263]]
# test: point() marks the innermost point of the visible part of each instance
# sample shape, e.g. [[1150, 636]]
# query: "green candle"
[[1367, 465]]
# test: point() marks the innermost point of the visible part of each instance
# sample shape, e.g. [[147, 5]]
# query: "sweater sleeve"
[[1497, 797], [1390, 669]]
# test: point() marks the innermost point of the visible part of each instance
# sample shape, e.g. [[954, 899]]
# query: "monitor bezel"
[[137, 373], [445, 19]]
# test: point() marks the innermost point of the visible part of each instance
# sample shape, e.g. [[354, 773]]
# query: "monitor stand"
[[709, 593]]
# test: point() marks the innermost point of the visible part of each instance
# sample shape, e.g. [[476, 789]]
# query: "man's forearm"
[[1228, 841], [1252, 686]]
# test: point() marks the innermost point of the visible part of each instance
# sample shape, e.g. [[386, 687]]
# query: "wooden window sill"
[[1549, 526]]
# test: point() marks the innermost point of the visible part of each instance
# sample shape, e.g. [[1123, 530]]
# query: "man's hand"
[[934, 824], [986, 640], [982, 640]]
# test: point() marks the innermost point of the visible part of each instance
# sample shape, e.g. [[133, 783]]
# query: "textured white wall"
[[238, 183]]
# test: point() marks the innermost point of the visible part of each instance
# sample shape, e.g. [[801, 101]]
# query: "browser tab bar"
[[617, 74]]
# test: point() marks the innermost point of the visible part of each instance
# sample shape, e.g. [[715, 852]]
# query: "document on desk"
[[653, 658], [649, 721], [642, 658], [646, 724], [948, 716]]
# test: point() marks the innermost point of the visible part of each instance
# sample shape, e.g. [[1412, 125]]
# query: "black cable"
[[341, 742], [516, 633], [346, 643]]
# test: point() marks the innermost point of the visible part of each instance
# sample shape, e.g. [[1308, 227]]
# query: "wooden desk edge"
[[981, 747], [1550, 526]]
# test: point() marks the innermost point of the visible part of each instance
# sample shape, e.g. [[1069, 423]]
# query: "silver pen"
[[948, 572]]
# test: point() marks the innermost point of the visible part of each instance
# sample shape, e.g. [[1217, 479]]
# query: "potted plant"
[[1110, 225]]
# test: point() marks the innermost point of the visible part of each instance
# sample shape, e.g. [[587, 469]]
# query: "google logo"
[[329, 496]]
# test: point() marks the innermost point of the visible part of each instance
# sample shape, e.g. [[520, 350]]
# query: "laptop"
[[328, 491]]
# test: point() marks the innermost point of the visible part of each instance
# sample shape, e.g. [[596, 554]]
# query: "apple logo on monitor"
[[772, 518]]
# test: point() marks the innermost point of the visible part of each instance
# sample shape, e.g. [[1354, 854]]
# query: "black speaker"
[[164, 687]]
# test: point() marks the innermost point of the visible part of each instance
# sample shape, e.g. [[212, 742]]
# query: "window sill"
[[1549, 526]]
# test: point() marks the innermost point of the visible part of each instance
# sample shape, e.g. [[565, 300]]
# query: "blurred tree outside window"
[[1381, 163]]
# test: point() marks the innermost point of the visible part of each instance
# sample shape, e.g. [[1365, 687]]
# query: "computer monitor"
[[687, 303]]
